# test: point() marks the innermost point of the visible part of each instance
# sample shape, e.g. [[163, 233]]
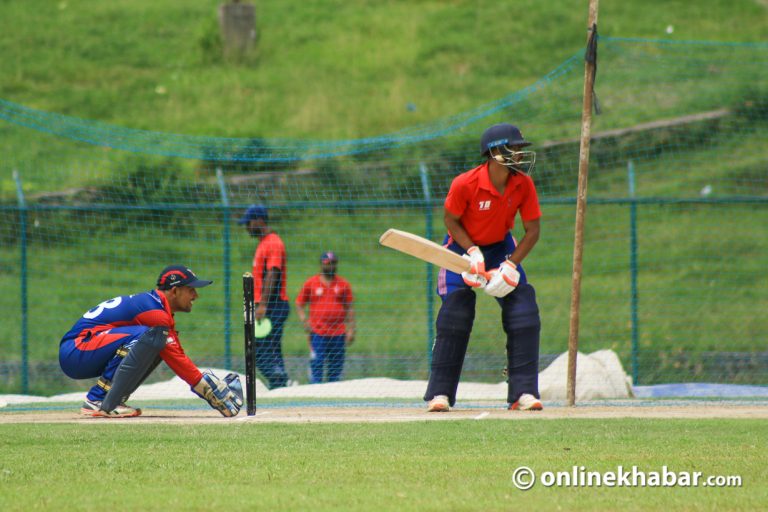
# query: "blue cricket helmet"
[[503, 134]]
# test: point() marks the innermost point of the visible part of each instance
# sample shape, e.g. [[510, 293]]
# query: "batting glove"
[[474, 280], [476, 260], [503, 280]]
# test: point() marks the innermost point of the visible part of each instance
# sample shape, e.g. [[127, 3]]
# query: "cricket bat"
[[424, 249]]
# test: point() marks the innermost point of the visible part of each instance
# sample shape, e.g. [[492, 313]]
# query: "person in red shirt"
[[331, 323], [123, 339], [269, 294], [480, 211]]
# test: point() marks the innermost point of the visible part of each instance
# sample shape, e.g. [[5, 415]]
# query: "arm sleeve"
[[178, 361], [274, 256], [456, 200]]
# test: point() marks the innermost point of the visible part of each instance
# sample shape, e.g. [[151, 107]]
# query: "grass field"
[[436, 465]]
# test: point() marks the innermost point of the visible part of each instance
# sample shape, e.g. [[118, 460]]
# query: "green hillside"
[[323, 68]]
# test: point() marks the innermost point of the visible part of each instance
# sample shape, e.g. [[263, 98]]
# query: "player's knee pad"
[[142, 358], [519, 309], [154, 338]]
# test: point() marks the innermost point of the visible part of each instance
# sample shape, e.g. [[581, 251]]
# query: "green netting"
[[675, 243]]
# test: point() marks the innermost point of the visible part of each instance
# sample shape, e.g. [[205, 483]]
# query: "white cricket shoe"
[[526, 402], [439, 404], [93, 408]]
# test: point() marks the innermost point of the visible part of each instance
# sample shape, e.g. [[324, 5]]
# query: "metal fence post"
[[425, 185], [227, 271], [633, 271], [23, 280]]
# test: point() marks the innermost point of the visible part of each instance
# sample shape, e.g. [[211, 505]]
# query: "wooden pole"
[[590, 67]]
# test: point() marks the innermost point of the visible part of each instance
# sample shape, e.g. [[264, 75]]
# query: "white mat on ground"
[[598, 375]]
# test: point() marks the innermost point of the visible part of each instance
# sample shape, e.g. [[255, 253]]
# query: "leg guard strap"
[[105, 383]]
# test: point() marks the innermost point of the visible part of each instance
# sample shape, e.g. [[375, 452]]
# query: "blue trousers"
[[327, 351], [97, 356], [269, 350], [520, 321]]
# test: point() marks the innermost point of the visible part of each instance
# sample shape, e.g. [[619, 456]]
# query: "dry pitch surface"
[[694, 410]]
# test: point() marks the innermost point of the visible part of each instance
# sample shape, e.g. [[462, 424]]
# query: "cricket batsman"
[[479, 212]]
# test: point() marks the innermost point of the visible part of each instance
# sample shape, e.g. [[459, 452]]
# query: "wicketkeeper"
[[122, 340], [480, 211]]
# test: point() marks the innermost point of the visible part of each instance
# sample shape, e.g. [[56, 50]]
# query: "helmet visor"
[[512, 158]]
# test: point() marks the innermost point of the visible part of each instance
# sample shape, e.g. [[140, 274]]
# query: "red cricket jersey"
[[270, 254], [486, 215], [328, 304]]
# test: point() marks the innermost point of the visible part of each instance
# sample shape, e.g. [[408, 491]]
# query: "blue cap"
[[179, 275], [255, 211], [328, 257], [503, 134]]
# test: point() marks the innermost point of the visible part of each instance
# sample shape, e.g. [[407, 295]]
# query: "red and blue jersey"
[[149, 309]]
